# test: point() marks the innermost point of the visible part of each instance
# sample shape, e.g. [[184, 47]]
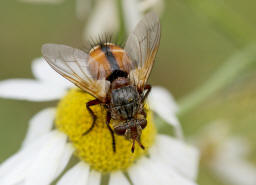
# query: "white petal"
[[31, 90], [67, 153], [83, 8], [160, 95], [118, 178], [104, 19], [78, 175], [234, 148], [16, 168], [162, 102], [39, 125], [46, 163], [166, 173], [235, 172], [140, 175], [22, 155], [94, 178], [230, 162], [13, 170], [43, 72], [132, 14], [150, 172], [177, 154], [152, 5]]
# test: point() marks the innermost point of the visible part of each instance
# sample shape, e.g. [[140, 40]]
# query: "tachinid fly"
[[115, 76]]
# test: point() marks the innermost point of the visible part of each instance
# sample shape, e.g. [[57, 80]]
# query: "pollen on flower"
[[95, 148]]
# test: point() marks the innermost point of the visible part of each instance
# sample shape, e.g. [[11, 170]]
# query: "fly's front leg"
[[94, 117], [147, 88], [111, 131], [144, 113]]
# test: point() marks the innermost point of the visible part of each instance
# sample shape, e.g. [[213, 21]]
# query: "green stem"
[[122, 33], [230, 70]]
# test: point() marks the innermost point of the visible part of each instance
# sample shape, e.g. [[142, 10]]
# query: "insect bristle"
[[100, 40], [121, 43]]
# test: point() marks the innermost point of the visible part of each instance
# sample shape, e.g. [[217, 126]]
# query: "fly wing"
[[141, 48], [73, 64]]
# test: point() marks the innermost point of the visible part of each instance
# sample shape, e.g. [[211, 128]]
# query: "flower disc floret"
[[95, 148]]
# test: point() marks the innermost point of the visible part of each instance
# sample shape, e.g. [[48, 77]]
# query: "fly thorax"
[[125, 102]]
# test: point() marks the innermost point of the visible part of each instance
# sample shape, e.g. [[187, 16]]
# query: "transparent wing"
[[73, 64], [141, 48]]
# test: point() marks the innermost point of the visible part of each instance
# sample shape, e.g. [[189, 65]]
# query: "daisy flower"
[[105, 17], [226, 154], [54, 135]]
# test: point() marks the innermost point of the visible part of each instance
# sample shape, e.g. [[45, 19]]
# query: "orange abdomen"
[[106, 58]]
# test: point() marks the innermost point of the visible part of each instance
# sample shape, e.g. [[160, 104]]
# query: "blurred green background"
[[198, 37]]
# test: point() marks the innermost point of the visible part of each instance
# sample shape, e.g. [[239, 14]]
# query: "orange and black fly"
[[116, 77]]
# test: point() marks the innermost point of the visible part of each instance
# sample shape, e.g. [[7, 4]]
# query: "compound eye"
[[120, 130], [143, 123]]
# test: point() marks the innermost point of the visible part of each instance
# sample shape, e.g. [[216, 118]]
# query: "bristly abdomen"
[[110, 57]]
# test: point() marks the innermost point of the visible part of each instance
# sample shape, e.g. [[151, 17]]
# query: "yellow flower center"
[[95, 148]]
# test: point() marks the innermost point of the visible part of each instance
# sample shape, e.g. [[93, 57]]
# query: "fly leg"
[[94, 117], [111, 131], [144, 113], [148, 89]]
